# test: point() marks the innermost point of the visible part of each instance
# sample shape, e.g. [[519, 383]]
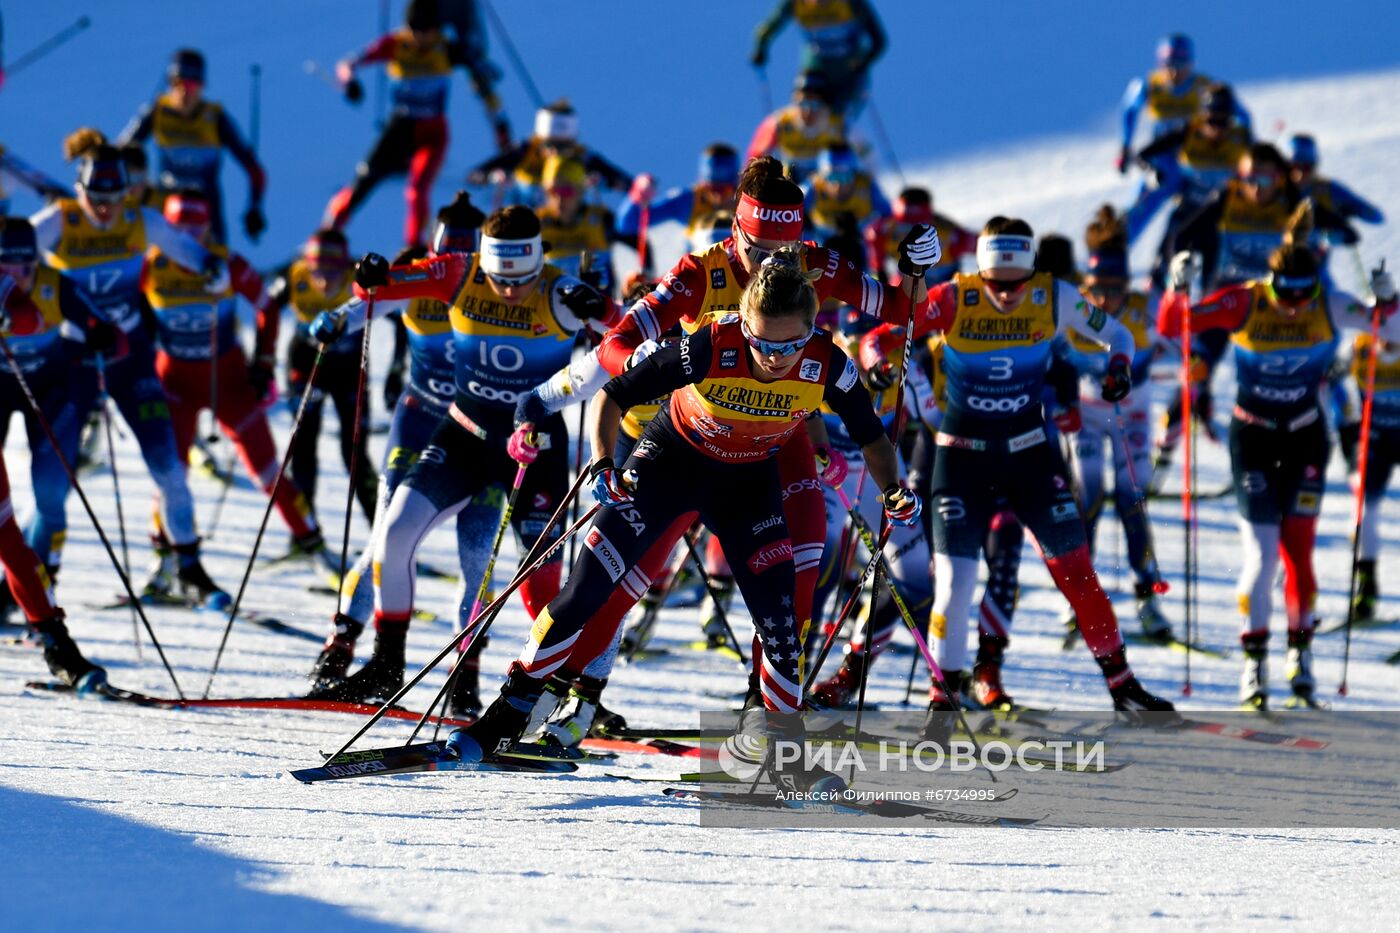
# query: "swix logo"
[[772, 521], [771, 556]]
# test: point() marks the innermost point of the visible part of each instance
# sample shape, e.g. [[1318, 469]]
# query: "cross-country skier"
[[320, 280], [739, 387], [840, 186], [24, 570], [798, 132], [915, 206], [696, 207], [999, 324], [841, 41], [1285, 327], [100, 241], [190, 134], [555, 134], [1171, 94], [420, 59], [197, 331], [571, 227], [513, 318], [1126, 426]]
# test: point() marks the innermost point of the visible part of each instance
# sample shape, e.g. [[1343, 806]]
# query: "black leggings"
[[338, 378]]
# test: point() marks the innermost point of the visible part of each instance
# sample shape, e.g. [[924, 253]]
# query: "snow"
[[128, 818]]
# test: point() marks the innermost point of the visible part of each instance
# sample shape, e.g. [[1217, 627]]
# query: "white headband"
[[551, 124], [1005, 251], [512, 259]]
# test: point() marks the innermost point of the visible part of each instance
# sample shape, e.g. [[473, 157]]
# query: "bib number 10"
[[502, 357]]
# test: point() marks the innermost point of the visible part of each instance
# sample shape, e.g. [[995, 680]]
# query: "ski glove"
[[831, 465], [611, 486], [919, 250], [1184, 267], [372, 271], [530, 408], [643, 187], [254, 223], [1118, 381], [1124, 160], [901, 505], [354, 91], [327, 327], [584, 302], [393, 386], [260, 376], [524, 444]]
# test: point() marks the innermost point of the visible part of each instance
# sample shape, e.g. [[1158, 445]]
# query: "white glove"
[[919, 250], [1184, 268], [644, 349], [1382, 286]]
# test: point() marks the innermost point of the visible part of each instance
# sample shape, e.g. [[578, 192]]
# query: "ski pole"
[[1188, 506], [714, 596], [355, 440], [316, 70], [643, 222], [48, 45], [846, 608], [381, 78], [267, 513], [486, 616], [102, 399], [885, 141], [765, 98], [1363, 455], [481, 592], [87, 507], [255, 106], [514, 55]]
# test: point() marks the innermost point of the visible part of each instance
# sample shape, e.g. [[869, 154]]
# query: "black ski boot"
[[160, 582], [1299, 669], [333, 663], [941, 717], [194, 581], [382, 675], [464, 702], [62, 656], [505, 720], [790, 768], [1254, 676], [1367, 592], [1131, 698]]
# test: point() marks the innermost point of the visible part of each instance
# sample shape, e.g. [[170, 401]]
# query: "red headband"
[[769, 222]]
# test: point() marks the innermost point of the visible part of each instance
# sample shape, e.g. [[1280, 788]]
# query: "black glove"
[[584, 302], [393, 386], [1118, 381], [919, 250], [593, 276], [759, 58], [372, 271], [101, 337], [261, 372], [880, 377], [254, 223], [354, 91]]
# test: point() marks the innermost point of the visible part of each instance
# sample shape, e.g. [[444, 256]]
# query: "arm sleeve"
[[184, 249], [1224, 309], [664, 371], [764, 138], [356, 310], [380, 50], [1165, 145], [138, 129], [48, 227], [842, 279], [874, 30], [75, 304], [1334, 225], [771, 26], [1091, 323], [1351, 204], [1133, 101], [577, 382], [1352, 314], [249, 284], [438, 277], [612, 175], [505, 162], [240, 150], [678, 295], [848, 398]]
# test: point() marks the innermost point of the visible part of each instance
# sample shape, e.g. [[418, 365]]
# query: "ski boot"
[[464, 702], [509, 716], [986, 673], [839, 691], [1130, 697], [636, 635], [1254, 678], [1070, 621], [1161, 466], [194, 581], [1155, 626], [795, 774], [942, 709], [62, 656], [1367, 592], [715, 612], [333, 663], [7, 601], [1298, 669], [381, 676], [581, 714], [160, 582]]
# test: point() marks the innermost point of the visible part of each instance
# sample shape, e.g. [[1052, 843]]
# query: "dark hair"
[[1014, 226], [1268, 154], [1108, 230], [461, 212], [410, 254], [916, 197], [721, 151], [134, 155], [516, 222], [764, 179], [1055, 255], [423, 15], [330, 236]]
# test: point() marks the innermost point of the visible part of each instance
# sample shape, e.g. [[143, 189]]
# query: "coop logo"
[[1002, 406]]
